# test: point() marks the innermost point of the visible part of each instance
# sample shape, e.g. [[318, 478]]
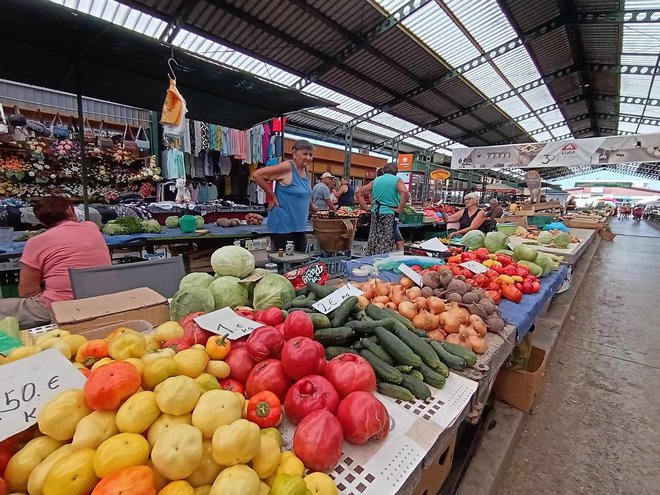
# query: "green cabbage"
[[195, 280], [191, 300], [172, 221], [113, 228], [545, 263], [523, 252], [272, 290], [228, 292], [562, 240], [151, 226], [508, 252], [495, 241], [533, 268], [234, 261], [199, 221], [474, 239], [544, 238]]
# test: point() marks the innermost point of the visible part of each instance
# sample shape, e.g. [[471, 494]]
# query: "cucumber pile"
[[405, 361]]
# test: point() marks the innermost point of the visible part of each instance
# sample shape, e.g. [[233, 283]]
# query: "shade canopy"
[[47, 45], [501, 188]]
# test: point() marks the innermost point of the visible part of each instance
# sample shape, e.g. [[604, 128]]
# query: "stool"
[[286, 263]]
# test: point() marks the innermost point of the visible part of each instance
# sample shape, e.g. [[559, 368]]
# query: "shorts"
[[29, 311], [299, 241]]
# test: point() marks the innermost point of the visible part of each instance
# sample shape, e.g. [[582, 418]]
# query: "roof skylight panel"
[[393, 121], [376, 129], [484, 20], [552, 117], [487, 80], [513, 106], [432, 136], [530, 124], [564, 130], [417, 143], [543, 136], [331, 114], [635, 109]]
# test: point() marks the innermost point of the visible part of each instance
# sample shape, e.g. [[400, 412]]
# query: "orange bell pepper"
[[264, 409], [218, 346], [92, 351]]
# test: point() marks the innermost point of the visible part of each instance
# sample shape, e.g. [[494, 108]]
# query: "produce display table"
[[571, 254]]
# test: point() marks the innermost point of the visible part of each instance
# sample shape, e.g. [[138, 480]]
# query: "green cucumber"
[[332, 352], [404, 369], [335, 336], [416, 374], [383, 371], [457, 350], [357, 345], [454, 362], [418, 388], [369, 326], [296, 299], [442, 369], [344, 309], [321, 291], [395, 391], [375, 312], [420, 333], [303, 291], [431, 377], [393, 314], [400, 352], [419, 347], [378, 351], [319, 320]]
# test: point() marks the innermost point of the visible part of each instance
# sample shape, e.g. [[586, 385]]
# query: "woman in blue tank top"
[[288, 203]]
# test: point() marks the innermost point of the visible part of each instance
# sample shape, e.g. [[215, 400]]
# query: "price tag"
[[434, 244], [29, 383], [225, 321], [333, 301], [411, 274], [252, 278], [474, 266]]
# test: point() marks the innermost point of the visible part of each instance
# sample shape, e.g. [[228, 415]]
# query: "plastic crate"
[[336, 265], [430, 234], [9, 283], [411, 218], [539, 220]]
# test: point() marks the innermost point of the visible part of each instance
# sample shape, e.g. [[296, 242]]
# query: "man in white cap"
[[321, 196]]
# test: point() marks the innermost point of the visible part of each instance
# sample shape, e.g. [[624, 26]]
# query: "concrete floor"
[[595, 428]]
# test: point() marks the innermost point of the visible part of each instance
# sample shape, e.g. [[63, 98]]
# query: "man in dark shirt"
[[495, 210]]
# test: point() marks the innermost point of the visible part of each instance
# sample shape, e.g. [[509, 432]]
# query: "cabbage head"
[[199, 220], [172, 221], [523, 252], [495, 241], [195, 280], [474, 239], [562, 240], [545, 263], [272, 290], [112, 228], [151, 226], [191, 300], [228, 292], [233, 261], [544, 238]]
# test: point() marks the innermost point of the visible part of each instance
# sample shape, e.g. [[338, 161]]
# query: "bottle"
[[289, 248]]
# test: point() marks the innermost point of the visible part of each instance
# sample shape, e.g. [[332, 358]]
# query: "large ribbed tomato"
[[133, 480], [318, 440], [350, 372], [110, 385], [309, 394], [268, 375], [362, 417]]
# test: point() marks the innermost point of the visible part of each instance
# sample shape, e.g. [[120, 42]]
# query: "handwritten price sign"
[[333, 301], [30, 383], [474, 266], [225, 321]]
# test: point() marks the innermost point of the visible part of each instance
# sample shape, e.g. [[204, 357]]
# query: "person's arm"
[[342, 190], [264, 175], [327, 195], [404, 195], [362, 193], [476, 223], [454, 217], [29, 281]]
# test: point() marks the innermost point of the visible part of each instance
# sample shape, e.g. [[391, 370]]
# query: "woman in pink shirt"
[[44, 276]]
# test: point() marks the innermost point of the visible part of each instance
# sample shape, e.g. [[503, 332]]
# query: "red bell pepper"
[[245, 313], [298, 324], [264, 409], [482, 254], [454, 259], [512, 293], [495, 295], [510, 270], [265, 342], [521, 271], [536, 286], [491, 274], [527, 287], [271, 316]]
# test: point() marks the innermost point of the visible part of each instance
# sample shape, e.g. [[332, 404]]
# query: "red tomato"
[[3, 487], [6, 453], [231, 385], [318, 440], [192, 331], [265, 342], [362, 417], [177, 344], [240, 363], [300, 357], [271, 316], [298, 324], [268, 375], [308, 395], [350, 372], [536, 287], [109, 386], [491, 274]]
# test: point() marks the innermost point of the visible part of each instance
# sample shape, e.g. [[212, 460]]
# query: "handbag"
[[17, 119], [104, 140], [37, 125], [129, 144], [4, 126], [58, 129], [141, 139]]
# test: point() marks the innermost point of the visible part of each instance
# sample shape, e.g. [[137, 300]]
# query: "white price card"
[[474, 266], [225, 321], [29, 383], [411, 274], [434, 244], [333, 301], [252, 278]]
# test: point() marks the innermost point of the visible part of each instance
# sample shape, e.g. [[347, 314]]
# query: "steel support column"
[[348, 151]]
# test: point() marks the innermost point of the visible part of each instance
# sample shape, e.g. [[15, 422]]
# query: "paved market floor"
[[594, 428]]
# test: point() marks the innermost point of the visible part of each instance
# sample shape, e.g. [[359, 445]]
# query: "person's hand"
[[272, 203], [453, 234]]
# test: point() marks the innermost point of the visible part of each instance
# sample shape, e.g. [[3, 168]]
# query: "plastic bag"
[[391, 263], [556, 226]]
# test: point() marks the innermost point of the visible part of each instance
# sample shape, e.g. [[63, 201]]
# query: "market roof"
[[432, 75], [45, 44]]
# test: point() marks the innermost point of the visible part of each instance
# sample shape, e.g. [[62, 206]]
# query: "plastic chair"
[[163, 276]]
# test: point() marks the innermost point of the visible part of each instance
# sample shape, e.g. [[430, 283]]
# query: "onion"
[[380, 305], [478, 344], [436, 334], [414, 293], [455, 338], [421, 302], [368, 293], [425, 320], [406, 282], [392, 306], [397, 294], [435, 305], [383, 289], [363, 301], [478, 325], [408, 310], [381, 299]]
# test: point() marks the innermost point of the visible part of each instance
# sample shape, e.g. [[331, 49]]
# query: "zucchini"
[[378, 351], [369, 326], [419, 333], [321, 291], [395, 391], [431, 377], [383, 371], [340, 336], [332, 352], [393, 314], [319, 320], [344, 309], [468, 356], [400, 352], [416, 374], [404, 369], [418, 388], [454, 362], [419, 347]]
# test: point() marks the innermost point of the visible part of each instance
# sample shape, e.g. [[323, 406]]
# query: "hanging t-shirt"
[[278, 124], [256, 141], [212, 192], [265, 140], [175, 166]]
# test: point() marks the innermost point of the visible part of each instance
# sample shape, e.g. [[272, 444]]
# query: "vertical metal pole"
[[348, 151], [395, 151], [426, 159], [81, 139], [282, 140]]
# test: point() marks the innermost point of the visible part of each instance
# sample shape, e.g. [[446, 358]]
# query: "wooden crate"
[[194, 260], [520, 220]]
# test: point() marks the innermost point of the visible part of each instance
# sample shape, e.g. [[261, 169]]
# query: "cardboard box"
[[436, 472], [519, 388], [28, 336], [81, 315]]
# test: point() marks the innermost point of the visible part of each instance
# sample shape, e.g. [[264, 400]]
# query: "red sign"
[[406, 162]]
